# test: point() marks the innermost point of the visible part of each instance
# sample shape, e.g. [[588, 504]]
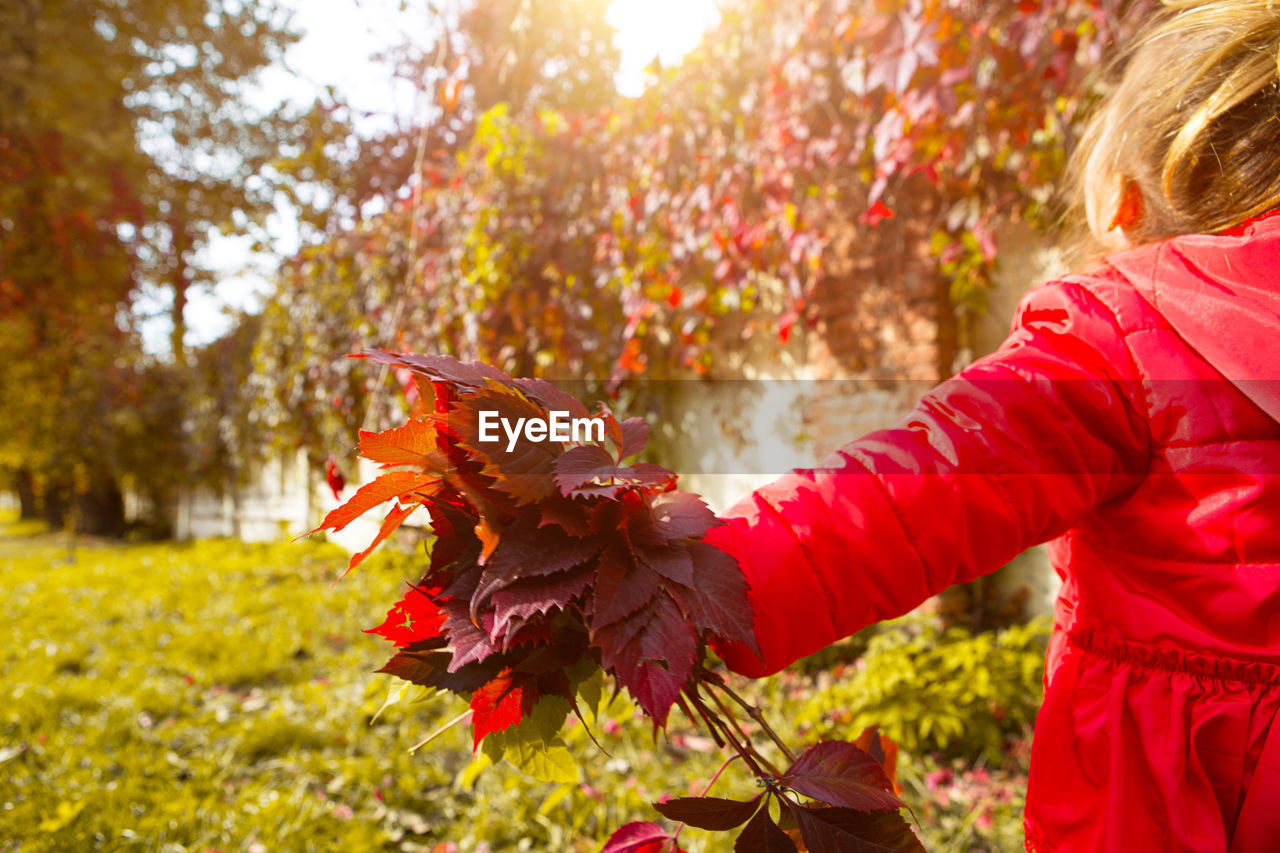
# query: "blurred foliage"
[[793, 153], [218, 696], [930, 689]]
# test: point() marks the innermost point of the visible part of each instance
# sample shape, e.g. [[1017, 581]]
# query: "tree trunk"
[[57, 503], [100, 511], [26, 485], [181, 284]]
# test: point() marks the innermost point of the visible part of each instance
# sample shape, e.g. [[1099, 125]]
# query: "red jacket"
[[1132, 418]]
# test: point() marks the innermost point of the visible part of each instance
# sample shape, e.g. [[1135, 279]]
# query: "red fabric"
[[1131, 418]]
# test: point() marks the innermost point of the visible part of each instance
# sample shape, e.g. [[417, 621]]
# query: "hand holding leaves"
[[555, 559]]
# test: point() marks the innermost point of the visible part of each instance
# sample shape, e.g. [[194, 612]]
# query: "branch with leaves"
[[555, 561]]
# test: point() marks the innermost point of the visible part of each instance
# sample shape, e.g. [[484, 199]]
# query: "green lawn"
[[218, 696]]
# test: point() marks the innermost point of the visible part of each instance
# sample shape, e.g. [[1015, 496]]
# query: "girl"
[[1133, 418]]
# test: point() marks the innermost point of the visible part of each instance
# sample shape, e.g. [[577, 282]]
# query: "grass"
[[218, 696]]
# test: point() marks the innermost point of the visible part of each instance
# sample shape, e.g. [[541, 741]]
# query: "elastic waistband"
[[1174, 659]]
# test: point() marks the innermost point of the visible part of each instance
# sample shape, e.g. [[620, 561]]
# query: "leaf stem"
[[676, 835], [463, 717], [755, 714]]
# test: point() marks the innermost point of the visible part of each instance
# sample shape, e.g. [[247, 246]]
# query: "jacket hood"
[[1221, 294]]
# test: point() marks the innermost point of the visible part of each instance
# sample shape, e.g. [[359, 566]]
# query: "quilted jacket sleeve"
[[1009, 453]]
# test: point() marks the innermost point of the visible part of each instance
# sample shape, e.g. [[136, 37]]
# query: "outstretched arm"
[[1011, 452]]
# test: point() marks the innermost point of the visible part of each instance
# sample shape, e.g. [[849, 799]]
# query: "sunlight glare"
[[665, 28]]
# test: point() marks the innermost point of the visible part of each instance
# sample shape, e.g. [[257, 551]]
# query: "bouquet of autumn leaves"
[[554, 560]]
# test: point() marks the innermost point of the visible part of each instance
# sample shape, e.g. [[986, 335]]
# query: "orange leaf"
[[488, 539], [394, 519], [381, 490], [410, 444], [882, 749]]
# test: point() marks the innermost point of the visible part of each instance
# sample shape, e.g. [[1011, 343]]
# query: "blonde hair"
[[1192, 117]]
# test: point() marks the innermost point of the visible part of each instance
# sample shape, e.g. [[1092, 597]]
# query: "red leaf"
[[495, 707], [524, 471], [424, 663], [876, 214], [682, 515], [471, 374], [709, 812], [391, 485], [551, 397], [651, 653], [531, 597], [635, 435], [622, 587], [585, 464], [528, 550], [717, 599], [671, 561], [412, 618], [840, 774], [639, 836], [762, 835], [849, 831], [390, 524]]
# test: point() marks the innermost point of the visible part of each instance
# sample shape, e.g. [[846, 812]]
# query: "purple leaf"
[[670, 561], [682, 515], [580, 465], [762, 835], [709, 812], [716, 601], [635, 434], [841, 774], [849, 831], [622, 587]]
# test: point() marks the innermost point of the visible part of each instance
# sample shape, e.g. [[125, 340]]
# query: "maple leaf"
[[389, 486]]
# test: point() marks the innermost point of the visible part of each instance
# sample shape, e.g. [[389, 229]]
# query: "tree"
[[125, 139]]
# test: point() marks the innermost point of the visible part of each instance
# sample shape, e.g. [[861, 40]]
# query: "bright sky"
[[339, 39]]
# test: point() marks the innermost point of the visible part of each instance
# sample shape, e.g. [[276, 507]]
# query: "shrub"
[[931, 689]]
